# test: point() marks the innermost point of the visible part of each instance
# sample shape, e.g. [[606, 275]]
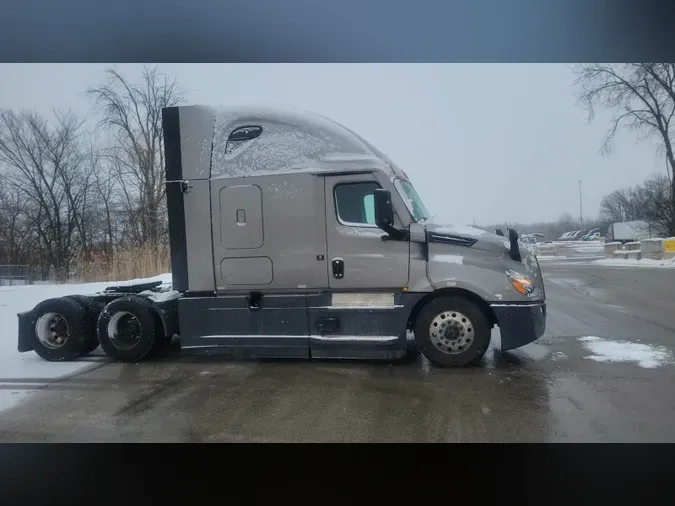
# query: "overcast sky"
[[492, 143]]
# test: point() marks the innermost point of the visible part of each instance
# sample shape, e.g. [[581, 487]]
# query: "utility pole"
[[581, 212]]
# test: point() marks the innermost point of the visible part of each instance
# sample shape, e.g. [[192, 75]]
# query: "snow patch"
[[449, 259], [292, 141], [361, 232], [458, 230], [558, 258], [606, 350], [645, 262], [600, 248], [161, 296], [11, 398], [166, 279]]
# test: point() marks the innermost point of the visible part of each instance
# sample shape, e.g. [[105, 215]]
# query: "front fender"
[[472, 270]]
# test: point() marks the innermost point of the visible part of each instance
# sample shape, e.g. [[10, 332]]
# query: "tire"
[[92, 310], [58, 329], [466, 332], [135, 316]]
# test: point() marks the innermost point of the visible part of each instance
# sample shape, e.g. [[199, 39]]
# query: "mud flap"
[[25, 321], [520, 324]]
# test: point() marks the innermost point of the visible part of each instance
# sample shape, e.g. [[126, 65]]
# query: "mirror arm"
[[394, 234]]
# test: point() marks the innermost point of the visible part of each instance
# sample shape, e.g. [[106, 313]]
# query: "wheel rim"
[[124, 330], [452, 332], [52, 330]]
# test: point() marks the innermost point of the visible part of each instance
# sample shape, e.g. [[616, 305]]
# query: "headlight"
[[521, 283]]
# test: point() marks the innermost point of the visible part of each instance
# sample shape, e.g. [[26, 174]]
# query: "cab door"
[[362, 314], [358, 257]]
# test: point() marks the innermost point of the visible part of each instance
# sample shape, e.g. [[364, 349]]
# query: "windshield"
[[412, 200]]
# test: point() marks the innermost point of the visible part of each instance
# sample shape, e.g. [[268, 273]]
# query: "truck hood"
[[475, 238], [466, 236]]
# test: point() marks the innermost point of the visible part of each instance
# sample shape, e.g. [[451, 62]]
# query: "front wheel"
[[452, 331]]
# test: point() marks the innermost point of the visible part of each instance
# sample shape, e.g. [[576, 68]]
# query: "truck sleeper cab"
[[291, 236]]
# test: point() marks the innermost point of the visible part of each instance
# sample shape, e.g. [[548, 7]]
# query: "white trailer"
[[629, 231]]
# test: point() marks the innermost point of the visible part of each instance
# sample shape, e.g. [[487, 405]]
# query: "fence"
[[15, 275]]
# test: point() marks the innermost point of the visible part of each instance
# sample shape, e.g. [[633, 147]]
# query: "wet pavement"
[[552, 390]]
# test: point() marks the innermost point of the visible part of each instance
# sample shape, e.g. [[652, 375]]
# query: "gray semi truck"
[[293, 237]]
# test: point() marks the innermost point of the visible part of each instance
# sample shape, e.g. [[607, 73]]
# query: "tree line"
[[69, 193], [649, 201], [642, 99]]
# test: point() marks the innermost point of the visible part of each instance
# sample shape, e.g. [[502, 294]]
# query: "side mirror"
[[384, 211]]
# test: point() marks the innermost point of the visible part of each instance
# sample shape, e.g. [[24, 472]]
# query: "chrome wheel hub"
[[52, 330], [451, 332], [124, 330]]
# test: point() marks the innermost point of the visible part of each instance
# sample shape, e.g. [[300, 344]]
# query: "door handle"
[[338, 268]]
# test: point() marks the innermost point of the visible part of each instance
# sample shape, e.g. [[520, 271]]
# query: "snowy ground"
[[645, 262], [571, 248], [27, 368], [644, 355], [592, 252]]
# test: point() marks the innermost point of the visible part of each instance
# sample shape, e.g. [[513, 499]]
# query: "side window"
[[354, 202], [241, 136]]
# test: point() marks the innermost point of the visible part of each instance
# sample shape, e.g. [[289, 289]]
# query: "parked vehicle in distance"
[[569, 236], [629, 231], [592, 235], [533, 238], [293, 237]]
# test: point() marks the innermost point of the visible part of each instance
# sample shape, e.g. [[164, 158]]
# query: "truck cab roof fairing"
[[292, 140]]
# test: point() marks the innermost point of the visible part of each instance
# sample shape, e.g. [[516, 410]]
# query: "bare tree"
[[642, 96], [133, 114], [648, 202], [622, 205], [653, 198], [15, 232], [43, 167]]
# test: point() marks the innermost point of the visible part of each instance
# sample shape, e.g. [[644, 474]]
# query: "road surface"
[[571, 385]]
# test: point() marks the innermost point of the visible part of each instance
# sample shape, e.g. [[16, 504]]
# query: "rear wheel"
[[92, 309], [129, 328], [452, 331], [59, 329]]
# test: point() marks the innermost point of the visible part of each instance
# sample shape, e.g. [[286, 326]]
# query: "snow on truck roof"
[[291, 141]]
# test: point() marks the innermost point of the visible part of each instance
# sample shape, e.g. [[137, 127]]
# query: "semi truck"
[[629, 231], [291, 236]]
